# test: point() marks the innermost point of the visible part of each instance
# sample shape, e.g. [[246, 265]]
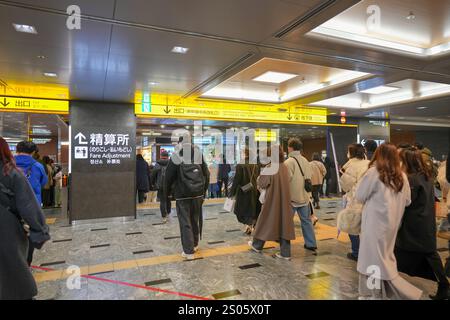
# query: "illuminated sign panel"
[[241, 112], [33, 105]]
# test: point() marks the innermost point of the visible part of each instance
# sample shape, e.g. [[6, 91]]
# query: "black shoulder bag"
[[308, 183]]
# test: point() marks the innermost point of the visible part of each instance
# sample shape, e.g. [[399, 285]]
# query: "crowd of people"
[[392, 188]]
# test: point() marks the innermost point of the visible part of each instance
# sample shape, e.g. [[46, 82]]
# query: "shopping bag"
[[229, 205]]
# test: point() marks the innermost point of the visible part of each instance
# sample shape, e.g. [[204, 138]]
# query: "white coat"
[[381, 218]]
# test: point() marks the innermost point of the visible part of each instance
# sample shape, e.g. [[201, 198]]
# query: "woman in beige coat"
[[352, 172], [275, 222]]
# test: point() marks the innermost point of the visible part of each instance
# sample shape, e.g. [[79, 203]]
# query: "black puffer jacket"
[[18, 202]]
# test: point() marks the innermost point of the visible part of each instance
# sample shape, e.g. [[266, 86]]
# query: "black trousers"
[[141, 196], [165, 206], [47, 197], [190, 219], [315, 194], [223, 183], [327, 186]]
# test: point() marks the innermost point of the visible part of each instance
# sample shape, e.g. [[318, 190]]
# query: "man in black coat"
[[142, 177], [224, 170], [158, 176], [188, 175]]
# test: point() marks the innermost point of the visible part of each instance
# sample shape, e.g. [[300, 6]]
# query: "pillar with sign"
[[102, 161]]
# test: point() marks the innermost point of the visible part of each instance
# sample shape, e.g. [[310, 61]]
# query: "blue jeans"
[[307, 226], [354, 239]]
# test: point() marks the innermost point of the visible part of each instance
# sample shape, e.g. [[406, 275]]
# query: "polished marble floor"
[[141, 259]]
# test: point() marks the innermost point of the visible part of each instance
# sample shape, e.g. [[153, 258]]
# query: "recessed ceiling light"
[[24, 28], [162, 126], [152, 83], [429, 119], [411, 16], [380, 89], [275, 77], [181, 50], [41, 57], [50, 74], [421, 108]]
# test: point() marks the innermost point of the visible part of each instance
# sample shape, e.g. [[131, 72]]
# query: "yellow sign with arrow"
[[34, 105], [241, 112]]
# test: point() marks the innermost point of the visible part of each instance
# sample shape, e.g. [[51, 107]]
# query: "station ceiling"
[[125, 46]]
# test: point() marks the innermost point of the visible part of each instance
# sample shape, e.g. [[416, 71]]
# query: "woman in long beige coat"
[[275, 222]]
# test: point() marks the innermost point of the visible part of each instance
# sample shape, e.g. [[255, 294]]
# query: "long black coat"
[[417, 232], [415, 247], [16, 280], [142, 175], [247, 205]]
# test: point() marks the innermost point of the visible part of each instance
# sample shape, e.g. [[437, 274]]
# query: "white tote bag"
[[229, 205]]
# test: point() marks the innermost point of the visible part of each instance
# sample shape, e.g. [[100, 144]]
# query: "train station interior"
[[97, 85]]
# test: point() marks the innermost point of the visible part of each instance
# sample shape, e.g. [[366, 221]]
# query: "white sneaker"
[[279, 256], [164, 220], [250, 243], [187, 256], [196, 249]]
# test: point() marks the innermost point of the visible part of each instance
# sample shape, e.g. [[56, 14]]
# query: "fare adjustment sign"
[[103, 161], [99, 149]]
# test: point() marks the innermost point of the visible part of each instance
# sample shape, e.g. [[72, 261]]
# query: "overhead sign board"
[[33, 105], [252, 113]]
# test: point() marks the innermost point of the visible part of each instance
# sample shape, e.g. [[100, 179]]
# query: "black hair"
[[419, 145], [370, 145], [295, 144], [139, 157], [316, 156], [404, 145], [27, 147]]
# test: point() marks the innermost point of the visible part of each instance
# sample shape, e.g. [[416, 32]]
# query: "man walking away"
[[35, 173], [158, 177], [299, 171], [31, 168], [189, 176], [224, 171]]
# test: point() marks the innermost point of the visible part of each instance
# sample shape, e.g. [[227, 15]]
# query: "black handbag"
[[308, 183], [249, 186]]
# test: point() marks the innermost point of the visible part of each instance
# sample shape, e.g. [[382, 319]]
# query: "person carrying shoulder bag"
[[299, 170]]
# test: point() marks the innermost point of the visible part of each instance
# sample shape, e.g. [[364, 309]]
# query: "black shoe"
[[313, 249], [352, 257], [443, 293], [317, 207]]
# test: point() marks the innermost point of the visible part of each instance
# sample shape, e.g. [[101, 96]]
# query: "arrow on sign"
[[167, 109], [4, 102], [81, 138], [289, 115]]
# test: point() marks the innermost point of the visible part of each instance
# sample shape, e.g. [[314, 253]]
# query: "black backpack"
[[192, 179]]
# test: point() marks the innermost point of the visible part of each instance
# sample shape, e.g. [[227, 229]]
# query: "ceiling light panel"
[[181, 50], [380, 90], [275, 77], [24, 28]]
